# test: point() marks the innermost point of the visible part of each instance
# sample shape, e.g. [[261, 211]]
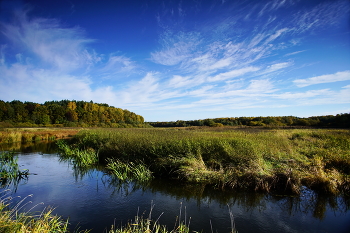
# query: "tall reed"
[[9, 169], [129, 171], [79, 157]]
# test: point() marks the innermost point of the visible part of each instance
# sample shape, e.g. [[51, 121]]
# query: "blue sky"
[[180, 60]]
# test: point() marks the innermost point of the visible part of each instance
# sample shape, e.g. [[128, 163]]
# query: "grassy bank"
[[11, 135], [257, 159]]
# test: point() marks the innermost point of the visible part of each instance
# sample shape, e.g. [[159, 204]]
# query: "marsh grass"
[[9, 169], [129, 171], [262, 160], [13, 219], [79, 157]]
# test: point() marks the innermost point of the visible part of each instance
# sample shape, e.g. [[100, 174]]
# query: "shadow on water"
[[308, 202]]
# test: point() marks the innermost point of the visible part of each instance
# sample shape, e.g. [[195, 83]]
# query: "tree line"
[[66, 113], [337, 121], [72, 113]]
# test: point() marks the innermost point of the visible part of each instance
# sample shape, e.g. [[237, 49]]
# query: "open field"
[[11, 135], [257, 159]]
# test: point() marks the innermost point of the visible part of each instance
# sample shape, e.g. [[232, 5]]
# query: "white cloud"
[[172, 56], [294, 53], [263, 86], [178, 81], [232, 74], [203, 91], [175, 48], [117, 65], [147, 90], [53, 62], [2, 54], [192, 53], [39, 85], [60, 48], [303, 95], [317, 97], [325, 14], [276, 67], [220, 64], [276, 35], [272, 6], [328, 78]]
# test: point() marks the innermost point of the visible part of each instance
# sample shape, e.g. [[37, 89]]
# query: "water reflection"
[[46, 147], [96, 200], [308, 202]]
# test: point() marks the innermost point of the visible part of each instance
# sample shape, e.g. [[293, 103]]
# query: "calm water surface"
[[92, 200]]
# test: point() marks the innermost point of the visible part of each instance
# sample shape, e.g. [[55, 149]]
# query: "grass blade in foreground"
[[12, 220]]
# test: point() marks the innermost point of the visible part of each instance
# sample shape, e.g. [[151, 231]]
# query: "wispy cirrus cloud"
[[327, 78], [42, 85], [54, 62], [325, 14], [276, 67], [178, 81], [273, 6], [117, 66], [176, 48], [147, 92], [294, 53], [317, 97], [232, 74], [61, 48], [304, 95], [194, 54]]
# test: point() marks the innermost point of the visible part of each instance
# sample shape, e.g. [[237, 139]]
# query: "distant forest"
[[338, 121], [71, 113], [66, 113]]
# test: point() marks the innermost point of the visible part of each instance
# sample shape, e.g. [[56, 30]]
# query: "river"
[[91, 199]]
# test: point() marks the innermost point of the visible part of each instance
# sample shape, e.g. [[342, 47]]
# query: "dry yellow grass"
[[11, 135]]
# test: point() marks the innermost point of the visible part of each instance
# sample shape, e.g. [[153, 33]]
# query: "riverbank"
[[276, 160], [12, 135]]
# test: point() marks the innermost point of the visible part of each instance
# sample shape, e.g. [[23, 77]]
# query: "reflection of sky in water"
[[94, 203]]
